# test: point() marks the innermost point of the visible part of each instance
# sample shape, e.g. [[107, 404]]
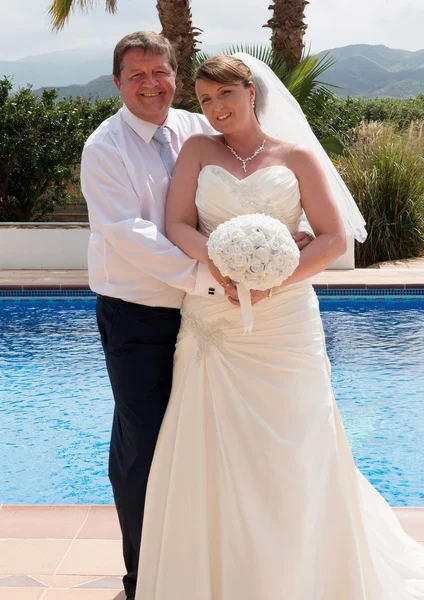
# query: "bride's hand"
[[258, 295]]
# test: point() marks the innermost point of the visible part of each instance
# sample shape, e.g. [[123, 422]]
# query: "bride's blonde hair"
[[225, 70]]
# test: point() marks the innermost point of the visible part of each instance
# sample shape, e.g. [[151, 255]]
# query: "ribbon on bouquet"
[[246, 307]]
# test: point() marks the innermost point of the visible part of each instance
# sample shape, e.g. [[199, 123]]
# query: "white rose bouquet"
[[257, 252]]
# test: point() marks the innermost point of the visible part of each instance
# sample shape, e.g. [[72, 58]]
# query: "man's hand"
[[232, 293], [228, 285], [302, 239]]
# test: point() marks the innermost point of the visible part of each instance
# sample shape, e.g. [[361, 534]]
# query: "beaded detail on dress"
[[207, 333]]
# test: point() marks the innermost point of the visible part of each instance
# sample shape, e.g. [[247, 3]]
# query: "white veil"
[[281, 117]]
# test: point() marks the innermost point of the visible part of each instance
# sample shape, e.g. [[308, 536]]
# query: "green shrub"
[[340, 116], [384, 170], [41, 141], [392, 110]]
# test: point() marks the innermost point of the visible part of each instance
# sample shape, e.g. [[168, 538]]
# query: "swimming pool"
[[56, 405]]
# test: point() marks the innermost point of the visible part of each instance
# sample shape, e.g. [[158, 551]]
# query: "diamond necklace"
[[244, 160]]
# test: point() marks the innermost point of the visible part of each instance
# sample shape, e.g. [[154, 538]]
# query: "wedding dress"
[[253, 493]]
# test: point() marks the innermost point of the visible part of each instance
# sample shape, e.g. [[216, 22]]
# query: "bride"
[[253, 493]]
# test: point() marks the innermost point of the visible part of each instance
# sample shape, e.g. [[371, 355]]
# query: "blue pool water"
[[56, 404]]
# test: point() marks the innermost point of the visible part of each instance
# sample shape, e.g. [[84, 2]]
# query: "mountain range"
[[68, 67], [360, 70], [371, 71]]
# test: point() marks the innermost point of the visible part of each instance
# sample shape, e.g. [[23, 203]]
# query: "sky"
[[25, 29]]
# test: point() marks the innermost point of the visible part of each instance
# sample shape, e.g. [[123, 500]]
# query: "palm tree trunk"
[[288, 28], [176, 21]]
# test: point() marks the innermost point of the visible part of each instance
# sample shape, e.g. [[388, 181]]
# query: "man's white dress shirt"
[[125, 185]]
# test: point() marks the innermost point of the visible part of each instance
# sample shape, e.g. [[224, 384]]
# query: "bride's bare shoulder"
[[292, 155], [300, 158]]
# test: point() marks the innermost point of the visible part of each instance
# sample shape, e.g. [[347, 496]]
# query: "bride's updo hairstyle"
[[225, 70]]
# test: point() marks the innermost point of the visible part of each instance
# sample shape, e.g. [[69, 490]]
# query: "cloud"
[[333, 23], [231, 21], [25, 30]]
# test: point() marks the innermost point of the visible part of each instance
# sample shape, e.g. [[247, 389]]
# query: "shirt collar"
[[171, 121], [145, 129]]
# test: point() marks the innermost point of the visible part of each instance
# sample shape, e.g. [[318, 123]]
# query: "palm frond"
[[59, 10], [198, 60], [262, 52], [303, 80]]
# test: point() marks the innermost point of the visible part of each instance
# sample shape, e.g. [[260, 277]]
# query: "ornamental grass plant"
[[384, 170]]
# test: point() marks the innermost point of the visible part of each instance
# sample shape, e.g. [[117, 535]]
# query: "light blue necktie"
[[162, 135]]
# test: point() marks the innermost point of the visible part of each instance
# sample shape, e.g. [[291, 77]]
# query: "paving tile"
[[110, 583], [20, 557], [22, 594], [102, 524], [67, 277], [413, 278], [409, 263], [63, 581], [17, 275], [41, 521], [44, 278], [93, 557], [19, 581], [78, 594]]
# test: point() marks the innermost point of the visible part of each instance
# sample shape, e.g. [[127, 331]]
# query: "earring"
[[252, 102]]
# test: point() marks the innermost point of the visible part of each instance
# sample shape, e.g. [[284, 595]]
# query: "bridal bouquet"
[[257, 252]]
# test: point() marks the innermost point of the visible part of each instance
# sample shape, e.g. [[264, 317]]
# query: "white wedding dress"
[[253, 492]]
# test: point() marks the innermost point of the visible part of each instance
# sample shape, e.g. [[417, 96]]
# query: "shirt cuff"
[[206, 285]]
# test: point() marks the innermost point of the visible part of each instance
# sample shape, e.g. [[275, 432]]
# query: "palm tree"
[[175, 18], [177, 27], [288, 28]]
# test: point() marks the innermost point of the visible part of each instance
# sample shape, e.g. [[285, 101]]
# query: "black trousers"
[[139, 344]]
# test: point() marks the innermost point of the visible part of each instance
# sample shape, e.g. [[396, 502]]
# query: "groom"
[[139, 276]]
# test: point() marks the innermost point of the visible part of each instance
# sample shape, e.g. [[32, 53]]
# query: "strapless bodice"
[[273, 191]]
